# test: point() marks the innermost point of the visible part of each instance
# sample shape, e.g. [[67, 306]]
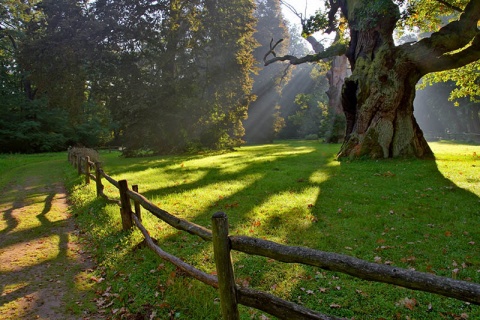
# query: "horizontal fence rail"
[[232, 294]]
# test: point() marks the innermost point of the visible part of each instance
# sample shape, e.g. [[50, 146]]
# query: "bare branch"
[[337, 49], [272, 49], [294, 11]]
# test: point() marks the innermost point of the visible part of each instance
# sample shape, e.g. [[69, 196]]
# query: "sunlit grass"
[[408, 213]]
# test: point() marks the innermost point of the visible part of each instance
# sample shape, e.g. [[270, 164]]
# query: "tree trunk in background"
[[336, 78]]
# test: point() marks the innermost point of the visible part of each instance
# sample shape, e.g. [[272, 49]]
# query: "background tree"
[[377, 98], [47, 68], [264, 120], [178, 72], [333, 129], [162, 76]]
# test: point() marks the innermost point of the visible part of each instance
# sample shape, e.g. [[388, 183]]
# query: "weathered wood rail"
[[231, 294]]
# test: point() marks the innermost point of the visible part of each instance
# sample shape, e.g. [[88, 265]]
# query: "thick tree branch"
[[456, 35], [456, 60], [449, 5], [337, 49], [334, 6]]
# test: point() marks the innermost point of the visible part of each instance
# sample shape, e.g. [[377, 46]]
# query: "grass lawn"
[[423, 215]]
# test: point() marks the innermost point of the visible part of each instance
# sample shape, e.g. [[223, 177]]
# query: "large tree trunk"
[[378, 105], [377, 98]]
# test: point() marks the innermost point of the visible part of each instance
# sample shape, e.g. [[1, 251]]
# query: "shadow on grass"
[[384, 211], [38, 272]]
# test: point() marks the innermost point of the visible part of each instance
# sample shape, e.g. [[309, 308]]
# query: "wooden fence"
[[231, 294]]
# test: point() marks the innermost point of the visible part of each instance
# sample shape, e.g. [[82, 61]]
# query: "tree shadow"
[[38, 269], [343, 207]]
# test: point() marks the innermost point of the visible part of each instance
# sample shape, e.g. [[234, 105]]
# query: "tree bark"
[[378, 104], [377, 98]]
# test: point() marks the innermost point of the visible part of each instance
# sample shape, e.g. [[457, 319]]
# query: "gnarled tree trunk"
[[378, 98], [378, 105]]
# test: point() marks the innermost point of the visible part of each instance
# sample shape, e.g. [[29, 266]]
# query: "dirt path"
[[44, 271]]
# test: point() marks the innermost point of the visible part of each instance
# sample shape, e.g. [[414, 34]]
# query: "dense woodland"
[[179, 76]]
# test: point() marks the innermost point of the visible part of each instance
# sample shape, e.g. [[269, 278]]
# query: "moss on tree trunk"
[[377, 98]]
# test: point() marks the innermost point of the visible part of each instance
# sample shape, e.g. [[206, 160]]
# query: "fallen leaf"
[[335, 306], [407, 303]]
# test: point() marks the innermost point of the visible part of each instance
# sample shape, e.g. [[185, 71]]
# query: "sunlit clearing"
[[83, 281], [21, 307], [34, 252], [294, 151], [319, 177], [466, 159], [9, 288], [56, 211], [3, 222], [28, 215], [289, 211], [203, 198]]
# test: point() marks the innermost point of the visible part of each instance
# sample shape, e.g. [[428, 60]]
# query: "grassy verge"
[[409, 213]]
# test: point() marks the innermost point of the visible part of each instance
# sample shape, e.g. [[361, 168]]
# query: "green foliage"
[[466, 79], [406, 213], [315, 23], [155, 76], [429, 16], [311, 114], [374, 14]]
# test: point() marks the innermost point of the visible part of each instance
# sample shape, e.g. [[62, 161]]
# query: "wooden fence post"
[[223, 263], [126, 208], [138, 211], [79, 164], [87, 170], [98, 179]]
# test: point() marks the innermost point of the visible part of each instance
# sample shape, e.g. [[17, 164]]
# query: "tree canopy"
[[161, 77]]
